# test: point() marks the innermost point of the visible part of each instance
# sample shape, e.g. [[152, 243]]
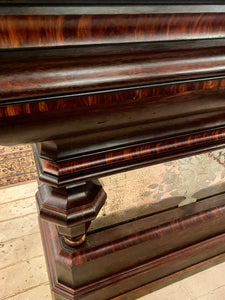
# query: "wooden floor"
[[22, 265]]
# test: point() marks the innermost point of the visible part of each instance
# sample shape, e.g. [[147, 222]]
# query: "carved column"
[[71, 207]]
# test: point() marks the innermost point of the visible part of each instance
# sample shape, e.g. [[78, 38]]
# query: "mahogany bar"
[[103, 87]]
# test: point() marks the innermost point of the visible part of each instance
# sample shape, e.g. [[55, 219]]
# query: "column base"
[[132, 259]]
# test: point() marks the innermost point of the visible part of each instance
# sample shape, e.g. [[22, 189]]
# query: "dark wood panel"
[[146, 245], [107, 91], [97, 99], [170, 247], [31, 74], [133, 153], [177, 276], [141, 119], [71, 208], [111, 162], [107, 170], [31, 31]]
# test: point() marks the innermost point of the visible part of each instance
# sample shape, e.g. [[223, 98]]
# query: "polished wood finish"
[[110, 97], [150, 248], [71, 208], [111, 67], [119, 161], [133, 153], [102, 87], [131, 121], [32, 31]]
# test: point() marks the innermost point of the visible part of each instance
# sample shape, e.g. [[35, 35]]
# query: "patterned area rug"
[[16, 165]]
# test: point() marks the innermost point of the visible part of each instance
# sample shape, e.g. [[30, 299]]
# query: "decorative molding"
[[20, 31], [158, 259]]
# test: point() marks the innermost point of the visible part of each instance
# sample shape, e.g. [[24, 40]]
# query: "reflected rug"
[[16, 165]]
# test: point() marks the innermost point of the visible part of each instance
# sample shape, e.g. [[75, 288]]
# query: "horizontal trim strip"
[[66, 71], [121, 167], [110, 2], [51, 30], [22, 9], [132, 153], [106, 97]]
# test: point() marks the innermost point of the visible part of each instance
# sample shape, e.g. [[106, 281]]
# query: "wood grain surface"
[[41, 31], [168, 253], [45, 73], [102, 99], [95, 120], [72, 209], [112, 162], [107, 92]]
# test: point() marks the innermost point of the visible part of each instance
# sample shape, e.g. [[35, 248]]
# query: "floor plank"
[[22, 276], [172, 292], [18, 192], [17, 208], [21, 249], [41, 292], [203, 283], [18, 228]]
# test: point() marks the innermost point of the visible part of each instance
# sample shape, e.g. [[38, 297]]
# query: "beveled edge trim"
[[70, 293], [115, 168], [80, 10]]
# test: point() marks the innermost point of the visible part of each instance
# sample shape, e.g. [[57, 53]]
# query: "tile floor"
[[23, 273]]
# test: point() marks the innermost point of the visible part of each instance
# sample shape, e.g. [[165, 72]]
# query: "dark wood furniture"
[[101, 87]]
